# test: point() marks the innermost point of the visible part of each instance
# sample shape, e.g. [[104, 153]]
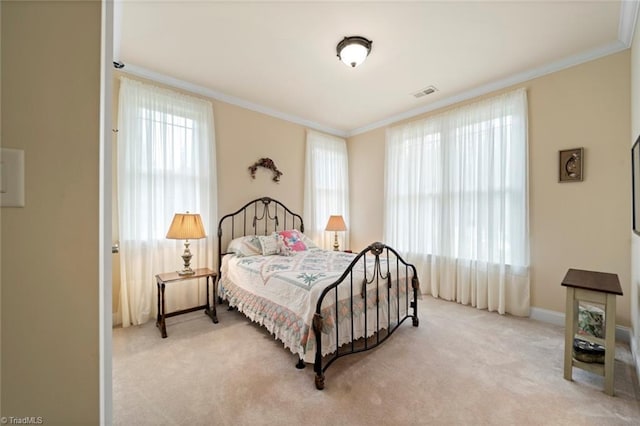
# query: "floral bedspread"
[[281, 293], [304, 269]]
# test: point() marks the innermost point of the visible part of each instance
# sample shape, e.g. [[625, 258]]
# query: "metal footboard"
[[380, 294]]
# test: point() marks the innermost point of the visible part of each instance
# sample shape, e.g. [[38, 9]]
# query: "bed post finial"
[[376, 248]]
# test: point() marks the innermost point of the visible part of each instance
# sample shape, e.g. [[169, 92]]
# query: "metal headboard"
[[258, 217]]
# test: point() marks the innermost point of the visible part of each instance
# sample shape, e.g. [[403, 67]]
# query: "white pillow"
[[245, 246], [307, 241], [270, 244]]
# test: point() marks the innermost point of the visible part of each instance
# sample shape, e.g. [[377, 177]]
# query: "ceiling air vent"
[[424, 92]]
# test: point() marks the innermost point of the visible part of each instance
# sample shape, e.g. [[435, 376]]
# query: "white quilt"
[[281, 293]]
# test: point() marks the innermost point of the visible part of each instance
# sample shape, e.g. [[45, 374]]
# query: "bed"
[[321, 304]]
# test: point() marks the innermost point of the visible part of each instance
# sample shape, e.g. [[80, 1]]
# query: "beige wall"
[[573, 225], [50, 298], [243, 137], [635, 239], [366, 187]]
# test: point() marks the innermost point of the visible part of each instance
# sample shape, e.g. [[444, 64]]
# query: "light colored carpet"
[[462, 366]]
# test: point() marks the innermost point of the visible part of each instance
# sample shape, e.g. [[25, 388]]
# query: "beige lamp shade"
[[336, 223], [186, 226]]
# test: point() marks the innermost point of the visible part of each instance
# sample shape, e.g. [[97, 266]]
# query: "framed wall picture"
[[635, 185], [571, 163]]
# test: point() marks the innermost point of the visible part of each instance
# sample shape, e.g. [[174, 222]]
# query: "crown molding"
[[141, 72], [627, 23], [568, 62]]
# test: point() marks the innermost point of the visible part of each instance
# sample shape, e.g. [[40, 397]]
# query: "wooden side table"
[[600, 288], [163, 279]]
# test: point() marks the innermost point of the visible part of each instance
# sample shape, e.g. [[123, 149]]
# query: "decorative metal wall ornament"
[[267, 163], [571, 165]]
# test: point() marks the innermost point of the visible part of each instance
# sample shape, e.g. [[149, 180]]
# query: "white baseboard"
[[623, 334]]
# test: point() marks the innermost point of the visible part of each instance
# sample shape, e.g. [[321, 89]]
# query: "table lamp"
[[335, 224], [186, 226]]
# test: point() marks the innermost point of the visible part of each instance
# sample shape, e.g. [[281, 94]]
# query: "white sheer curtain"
[[326, 188], [457, 202], [166, 164]]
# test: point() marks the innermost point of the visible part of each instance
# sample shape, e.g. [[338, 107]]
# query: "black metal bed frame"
[[266, 215], [263, 222]]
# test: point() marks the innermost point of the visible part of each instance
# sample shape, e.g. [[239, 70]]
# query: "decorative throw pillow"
[[293, 240], [245, 246], [284, 250], [269, 244]]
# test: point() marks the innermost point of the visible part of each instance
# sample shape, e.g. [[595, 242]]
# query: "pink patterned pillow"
[[293, 240]]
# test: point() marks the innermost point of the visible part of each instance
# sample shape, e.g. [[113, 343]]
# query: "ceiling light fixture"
[[353, 50]]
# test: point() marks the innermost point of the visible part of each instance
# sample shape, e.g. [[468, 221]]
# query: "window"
[[166, 165], [167, 142], [456, 192], [326, 190]]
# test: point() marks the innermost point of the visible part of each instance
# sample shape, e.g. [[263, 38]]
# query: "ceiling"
[[279, 58]]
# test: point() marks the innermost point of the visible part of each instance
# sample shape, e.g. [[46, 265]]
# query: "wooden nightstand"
[[600, 288], [168, 277]]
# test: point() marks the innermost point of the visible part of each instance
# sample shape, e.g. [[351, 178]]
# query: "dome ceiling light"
[[353, 50]]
